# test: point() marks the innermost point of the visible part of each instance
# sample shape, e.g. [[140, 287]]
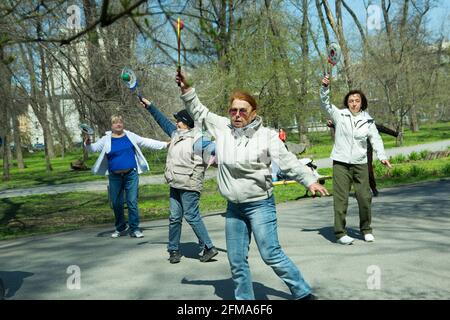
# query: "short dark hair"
[[362, 95]]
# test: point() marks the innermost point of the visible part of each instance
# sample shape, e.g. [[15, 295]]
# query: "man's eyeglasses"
[[234, 111]]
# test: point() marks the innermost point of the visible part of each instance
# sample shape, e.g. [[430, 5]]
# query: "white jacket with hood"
[[244, 155], [352, 132], [104, 147]]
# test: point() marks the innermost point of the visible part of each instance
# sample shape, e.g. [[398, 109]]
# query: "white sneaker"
[[369, 237], [117, 234], [137, 234], [345, 240]]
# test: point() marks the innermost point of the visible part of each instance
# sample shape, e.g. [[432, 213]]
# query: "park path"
[[408, 260], [101, 185]]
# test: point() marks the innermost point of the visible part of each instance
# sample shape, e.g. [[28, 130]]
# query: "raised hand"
[[326, 80], [144, 102], [182, 82]]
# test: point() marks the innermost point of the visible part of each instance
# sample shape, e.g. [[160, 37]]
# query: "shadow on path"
[[12, 281], [328, 233], [224, 289]]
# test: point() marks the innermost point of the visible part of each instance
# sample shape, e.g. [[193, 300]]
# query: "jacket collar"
[[363, 114], [109, 133], [247, 131]]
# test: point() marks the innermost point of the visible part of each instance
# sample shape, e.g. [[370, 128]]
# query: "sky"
[[438, 17]]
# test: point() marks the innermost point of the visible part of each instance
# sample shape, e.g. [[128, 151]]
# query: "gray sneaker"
[[117, 234], [208, 254]]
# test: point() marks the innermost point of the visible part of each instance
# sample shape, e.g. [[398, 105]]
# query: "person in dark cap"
[[185, 171], [184, 117]]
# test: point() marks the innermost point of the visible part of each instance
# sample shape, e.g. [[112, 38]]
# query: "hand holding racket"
[[326, 80], [87, 132]]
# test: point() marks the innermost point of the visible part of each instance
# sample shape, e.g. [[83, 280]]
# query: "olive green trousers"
[[344, 176]]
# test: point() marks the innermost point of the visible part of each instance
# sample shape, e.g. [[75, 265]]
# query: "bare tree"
[[338, 29]]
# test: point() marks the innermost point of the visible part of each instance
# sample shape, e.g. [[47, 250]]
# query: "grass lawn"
[[35, 175], [41, 214]]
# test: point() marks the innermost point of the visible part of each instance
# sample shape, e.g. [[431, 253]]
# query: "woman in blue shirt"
[[122, 160]]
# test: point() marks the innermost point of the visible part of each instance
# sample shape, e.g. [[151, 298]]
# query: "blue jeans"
[[260, 218], [185, 203], [128, 183]]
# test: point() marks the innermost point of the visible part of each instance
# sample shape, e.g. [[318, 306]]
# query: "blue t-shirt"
[[122, 154]]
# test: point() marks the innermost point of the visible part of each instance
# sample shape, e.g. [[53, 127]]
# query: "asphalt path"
[[408, 260]]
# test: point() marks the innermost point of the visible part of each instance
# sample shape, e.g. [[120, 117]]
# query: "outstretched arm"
[[94, 147], [150, 143], [212, 122], [386, 130], [325, 99], [165, 124], [377, 144], [294, 169]]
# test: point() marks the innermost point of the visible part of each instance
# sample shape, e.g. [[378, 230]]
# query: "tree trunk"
[[413, 121], [304, 73], [17, 141], [294, 91], [222, 13], [58, 119], [6, 149], [322, 23], [5, 91]]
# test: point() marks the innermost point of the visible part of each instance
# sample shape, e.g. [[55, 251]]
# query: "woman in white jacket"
[[353, 127], [122, 160], [244, 151]]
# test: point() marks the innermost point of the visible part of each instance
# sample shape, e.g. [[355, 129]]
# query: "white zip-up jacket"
[[244, 155], [352, 132], [104, 146]]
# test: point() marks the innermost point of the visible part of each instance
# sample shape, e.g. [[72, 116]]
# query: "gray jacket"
[[352, 132], [184, 167], [244, 155]]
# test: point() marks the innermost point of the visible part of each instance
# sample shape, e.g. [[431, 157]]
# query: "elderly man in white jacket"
[[353, 127], [122, 160], [244, 151]]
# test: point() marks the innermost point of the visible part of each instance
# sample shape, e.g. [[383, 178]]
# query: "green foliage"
[[446, 169], [379, 169], [4, 38], [400, 158], [416, 171], [423, 154], [125, 3], [414, 156], [397, 172]]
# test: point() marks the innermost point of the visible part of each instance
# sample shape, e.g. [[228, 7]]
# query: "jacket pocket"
[[182, 178]]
